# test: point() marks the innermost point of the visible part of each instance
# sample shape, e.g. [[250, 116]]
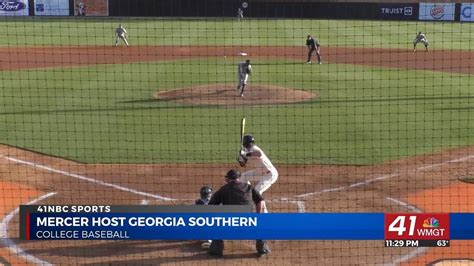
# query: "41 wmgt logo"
[[12, 6], [417, 226]]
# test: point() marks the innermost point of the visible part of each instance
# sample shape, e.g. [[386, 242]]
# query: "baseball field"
[[376, 128]]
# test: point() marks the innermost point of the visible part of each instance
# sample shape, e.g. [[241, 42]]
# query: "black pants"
[[310, 53], [217, 246]]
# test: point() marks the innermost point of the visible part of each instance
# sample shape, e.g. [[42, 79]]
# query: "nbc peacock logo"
[[431, 223]]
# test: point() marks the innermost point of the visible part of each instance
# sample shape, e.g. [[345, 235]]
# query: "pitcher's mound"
[[227, 95]]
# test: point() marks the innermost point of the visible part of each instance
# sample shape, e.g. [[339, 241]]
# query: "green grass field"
[[388, 34], [365, 115]]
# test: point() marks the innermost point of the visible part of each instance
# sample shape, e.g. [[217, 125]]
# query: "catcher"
[[262, 170], [205, 194]]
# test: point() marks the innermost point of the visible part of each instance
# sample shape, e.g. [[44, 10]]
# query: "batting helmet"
[[232, 174], [205, 192], [248, 141]]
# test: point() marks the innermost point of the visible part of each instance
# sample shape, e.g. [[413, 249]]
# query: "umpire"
[[237, 193]]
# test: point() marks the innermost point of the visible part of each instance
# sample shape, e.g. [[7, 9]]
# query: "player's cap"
[[308, 36], [247, 61], [232, 174]]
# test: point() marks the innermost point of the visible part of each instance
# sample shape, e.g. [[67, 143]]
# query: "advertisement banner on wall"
[[397, 11], [467, 12], [13, 7], [51, 7], [92, 8], [436, 11]]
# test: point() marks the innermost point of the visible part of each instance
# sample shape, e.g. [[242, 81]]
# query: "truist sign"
[[397, 11], [14, 8]]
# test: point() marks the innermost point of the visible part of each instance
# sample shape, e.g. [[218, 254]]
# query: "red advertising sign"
[[91, 7]]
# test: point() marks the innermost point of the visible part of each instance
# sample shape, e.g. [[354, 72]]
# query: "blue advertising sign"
[[14, 8], [466, 13]]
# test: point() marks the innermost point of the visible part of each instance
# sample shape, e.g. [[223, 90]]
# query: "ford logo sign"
[[12, 6]]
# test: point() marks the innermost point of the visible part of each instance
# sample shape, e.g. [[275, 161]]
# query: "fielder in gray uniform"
[[121, 34], [420, 37], [244, 70]]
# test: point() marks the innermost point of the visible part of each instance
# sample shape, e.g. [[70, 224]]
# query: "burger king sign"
[[436, 11]]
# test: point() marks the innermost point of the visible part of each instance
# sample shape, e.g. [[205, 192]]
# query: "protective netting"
[[375, 127]]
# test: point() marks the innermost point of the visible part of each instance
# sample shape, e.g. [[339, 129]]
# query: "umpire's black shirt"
[[236, 193]]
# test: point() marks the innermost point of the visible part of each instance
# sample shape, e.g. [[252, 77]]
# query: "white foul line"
[[10, 244], [415, 252], [404, 204], [88, 179], [382, 177], [299, 204]]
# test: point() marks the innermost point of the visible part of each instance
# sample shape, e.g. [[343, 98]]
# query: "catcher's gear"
[[242, 160], [248, 141], [202, 201], [205, 192], [232, 174]]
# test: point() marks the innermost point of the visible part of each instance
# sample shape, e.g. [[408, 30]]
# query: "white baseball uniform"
[[262, 171], [243, 71], [121, 34], [420, 38], [81, 8], [240, 14]]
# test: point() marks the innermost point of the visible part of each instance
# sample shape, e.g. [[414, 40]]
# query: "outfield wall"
[[253, 9], [287, 9], [261, 9]]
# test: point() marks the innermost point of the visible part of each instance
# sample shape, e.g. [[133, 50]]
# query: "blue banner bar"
[[275, 226], [235, 226], [462, 225]]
